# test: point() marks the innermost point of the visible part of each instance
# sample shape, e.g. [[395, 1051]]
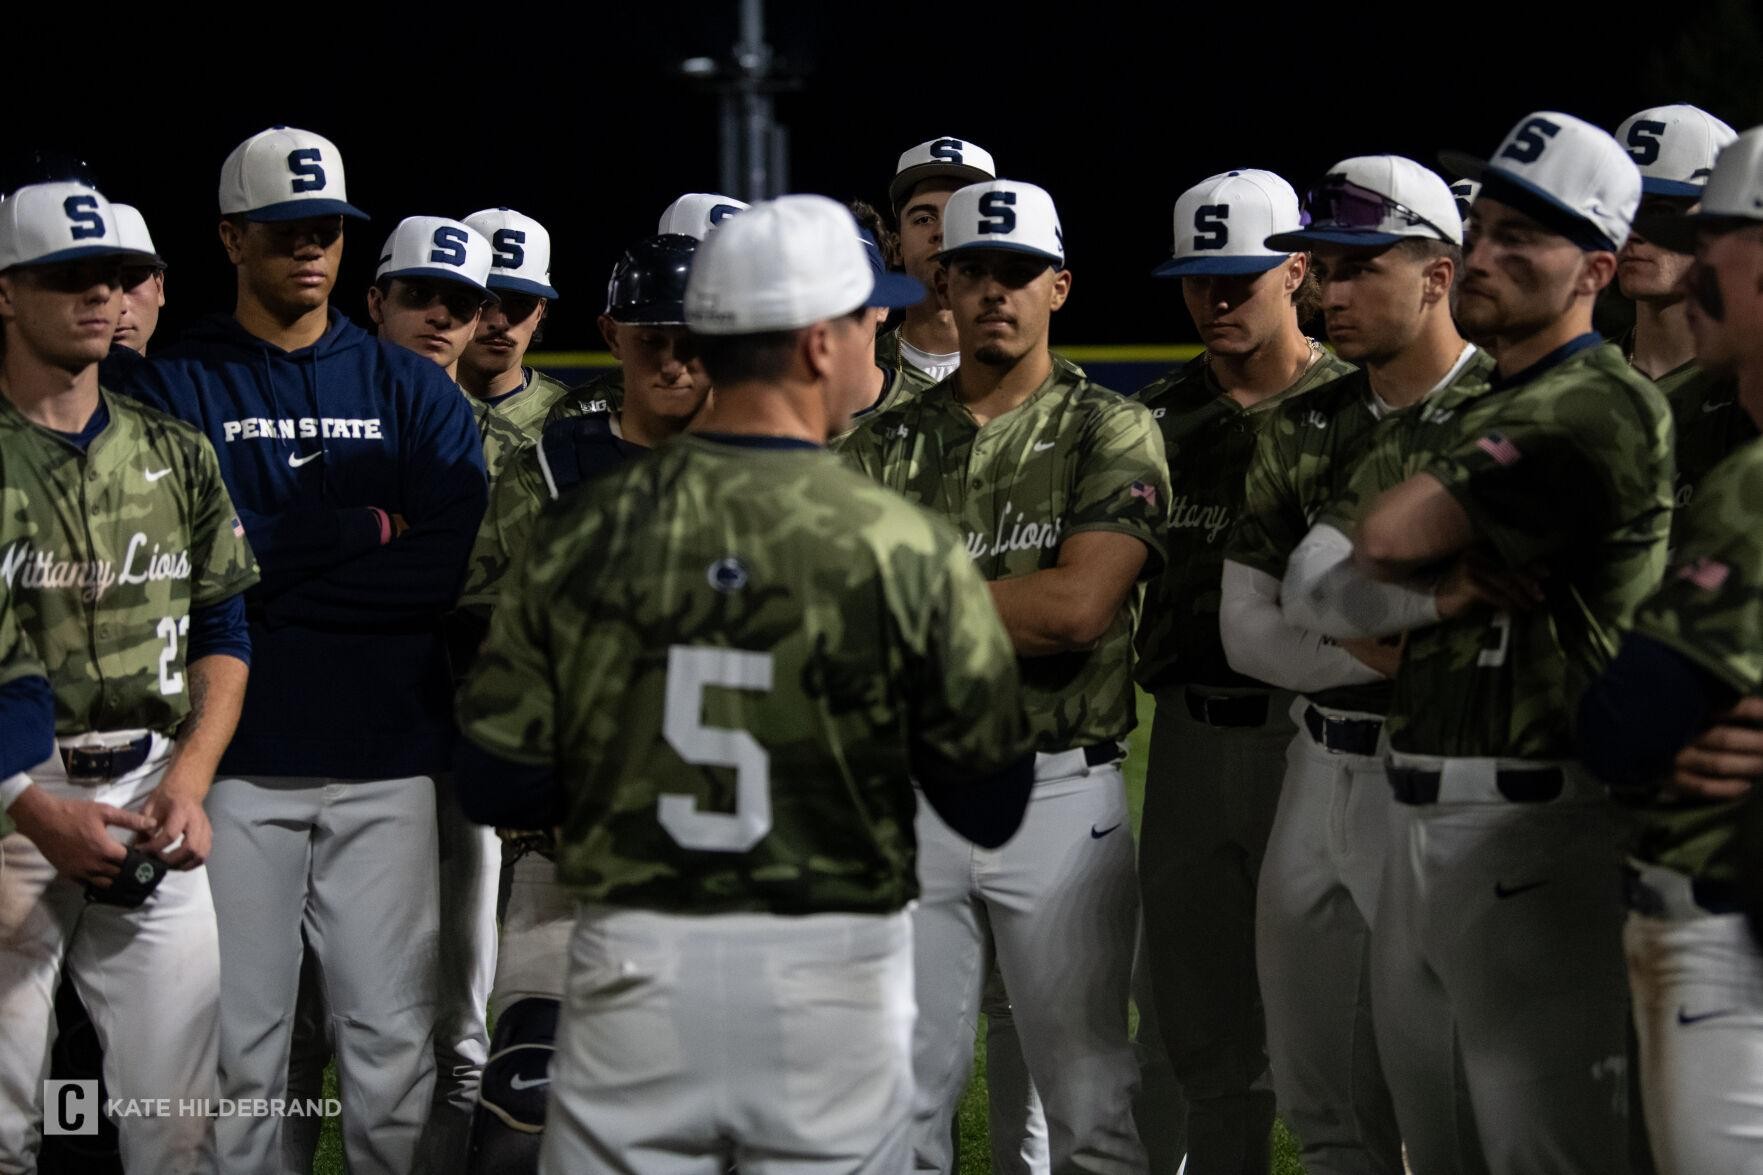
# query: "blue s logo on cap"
[[509, 243], [308, 175], [1643, 142], [1210, 229], [82, 213], [1000, 216], [449, 246], [948, 150], [720, 213], [1527, 145]]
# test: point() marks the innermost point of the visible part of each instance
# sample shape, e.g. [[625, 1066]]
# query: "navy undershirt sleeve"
[[1648, 704]]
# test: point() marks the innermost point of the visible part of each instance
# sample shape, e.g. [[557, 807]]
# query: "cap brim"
[[521, 285], [84, 252], [896, 291], [1217, 266], [1305, 239], [304, 210], [1462, 164], [1501, 185], [1000, 247], [905, 181], [1663, 187], [436, 274]]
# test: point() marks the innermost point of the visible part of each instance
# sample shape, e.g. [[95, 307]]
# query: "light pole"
[[753, 149]]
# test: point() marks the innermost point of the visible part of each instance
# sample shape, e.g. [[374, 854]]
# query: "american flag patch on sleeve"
[[1707, 574], [1503, 451], [1147, 493], [238, 528]]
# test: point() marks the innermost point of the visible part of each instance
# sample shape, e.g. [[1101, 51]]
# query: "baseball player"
[[644, 326], [1219, 742], [736, 823], [1497, 969], [1061, 490], [144, 288], [1385, 241], [923, 180], [894, 381], [1695, 971], [491, 368], [124, 560], [361, 482], [1675, 147], [431, 287]]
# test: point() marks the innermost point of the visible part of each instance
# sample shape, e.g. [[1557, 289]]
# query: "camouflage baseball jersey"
[[1210, 439], [107, 551], [726, 652], [1302, 462], [1710, 610], [508, 426], [1569, 474], [604, 393], [1709, 425], [1073, 457]]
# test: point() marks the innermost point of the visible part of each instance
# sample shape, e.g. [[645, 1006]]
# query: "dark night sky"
[[1113, 111]]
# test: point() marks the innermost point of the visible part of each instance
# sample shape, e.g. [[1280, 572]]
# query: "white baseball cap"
[[435, 247], [1375, 200], [785, 264], [285, 174], [1222, 224], [951, 157], [1675, 147], [1003, 214], [696, 213], [521, 251], [1464, 193], [1732, 199], [131, 228], [1565, 173], [48, 224]]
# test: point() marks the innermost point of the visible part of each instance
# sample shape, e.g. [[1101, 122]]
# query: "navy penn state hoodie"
[[349, 673]]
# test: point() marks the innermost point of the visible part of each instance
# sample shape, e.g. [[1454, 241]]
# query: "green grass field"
[[975, 1153]]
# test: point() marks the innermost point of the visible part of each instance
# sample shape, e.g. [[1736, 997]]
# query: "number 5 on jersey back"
[[690, 671]]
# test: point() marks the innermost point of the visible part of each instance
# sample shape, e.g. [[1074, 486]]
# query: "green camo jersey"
[[509, 425], [106, 553], [1302, 463], [602, 393], [1709, 425], [1569, 474], [1210, 439], [1073, 457], [729, 653], [1710, 609]]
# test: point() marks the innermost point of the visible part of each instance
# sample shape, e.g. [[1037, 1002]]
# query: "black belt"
[[1349, 736], [1716, 897], [1414, 785], [1243, 710], [100, 764], [1101, 754]]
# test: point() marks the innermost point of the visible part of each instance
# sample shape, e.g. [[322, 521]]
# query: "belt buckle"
[[89, 764]]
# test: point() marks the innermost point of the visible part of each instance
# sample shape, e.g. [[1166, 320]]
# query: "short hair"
[[1425, 249], [1307, 298], [754, 358]]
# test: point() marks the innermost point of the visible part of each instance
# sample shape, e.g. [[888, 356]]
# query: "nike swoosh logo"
[[1043, 446], [1715, 407], [517, 1083], [155, 474], [1504, 891], [1094, 835], [1686, 1019], [297, 462]]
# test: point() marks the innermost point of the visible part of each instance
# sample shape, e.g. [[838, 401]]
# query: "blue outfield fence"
[[1123, 368]]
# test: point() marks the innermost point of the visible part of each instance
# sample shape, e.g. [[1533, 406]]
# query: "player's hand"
[[74, 835], [1378, 653], [178, 810], [1474, 579], [1726, 758]]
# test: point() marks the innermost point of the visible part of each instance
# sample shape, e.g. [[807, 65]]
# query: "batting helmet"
[[649, 282]]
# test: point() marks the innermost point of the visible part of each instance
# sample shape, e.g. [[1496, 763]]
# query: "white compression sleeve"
[[1325, 592], [1262, 644]]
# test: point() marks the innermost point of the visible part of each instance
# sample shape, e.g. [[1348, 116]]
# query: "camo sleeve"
[[221, 562], [515, 499], [1122, 482], [1272, 520]]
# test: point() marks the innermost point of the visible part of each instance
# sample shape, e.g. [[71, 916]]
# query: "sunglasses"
[[458, 301], [1340, 203]]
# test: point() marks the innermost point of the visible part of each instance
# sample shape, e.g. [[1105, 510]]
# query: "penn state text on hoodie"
[[349, 673]]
